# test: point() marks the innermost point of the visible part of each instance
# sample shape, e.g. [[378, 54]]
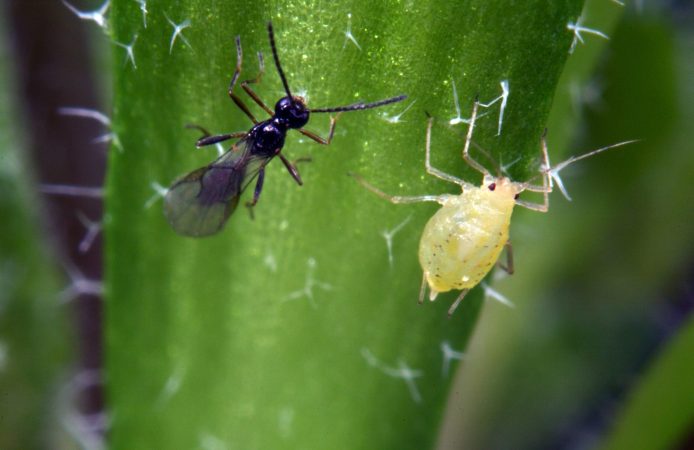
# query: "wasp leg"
[[291, 168], [302, 159], [210, 140], [200, 128], [251, 93], [237, 72], [320, 140], [256, 192]]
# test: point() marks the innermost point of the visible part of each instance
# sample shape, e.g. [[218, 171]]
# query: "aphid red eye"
[[492, 186]]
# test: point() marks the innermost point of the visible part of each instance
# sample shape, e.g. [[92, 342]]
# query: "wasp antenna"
[[271, 34], [359, 106]]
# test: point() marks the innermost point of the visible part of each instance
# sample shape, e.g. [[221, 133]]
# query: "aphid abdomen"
[[462, 241]]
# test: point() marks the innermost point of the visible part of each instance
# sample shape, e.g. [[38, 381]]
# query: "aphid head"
[[503, 186], [491, 181], [292, 111]]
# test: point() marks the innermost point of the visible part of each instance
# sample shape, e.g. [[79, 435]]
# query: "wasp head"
[[292, 111]]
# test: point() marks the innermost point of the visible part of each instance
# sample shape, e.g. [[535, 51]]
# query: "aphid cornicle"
[[200, 202], [464, 239]]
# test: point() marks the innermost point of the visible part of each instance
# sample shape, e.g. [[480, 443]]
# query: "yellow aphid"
[[463, 240]]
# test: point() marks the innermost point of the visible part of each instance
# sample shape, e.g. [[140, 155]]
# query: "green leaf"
[[595, 277], [212, 342], [660, 411]]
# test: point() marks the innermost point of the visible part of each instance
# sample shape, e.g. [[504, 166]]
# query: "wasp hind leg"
[[209, 139], [256, 193]]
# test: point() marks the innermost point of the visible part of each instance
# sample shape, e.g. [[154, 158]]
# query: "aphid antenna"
[[573, 159], [482, 150], [486, 154], [553, 171], [505, 167], [360, 106], [271, 34]]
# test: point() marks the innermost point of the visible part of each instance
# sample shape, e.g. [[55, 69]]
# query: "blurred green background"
[[595, 354]]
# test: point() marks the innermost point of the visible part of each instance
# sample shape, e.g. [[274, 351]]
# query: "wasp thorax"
[[268, 136], [292, 112]]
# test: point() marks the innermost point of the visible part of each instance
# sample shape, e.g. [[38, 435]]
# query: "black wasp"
[[199, 203]]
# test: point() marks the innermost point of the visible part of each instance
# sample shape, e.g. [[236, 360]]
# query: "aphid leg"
[[256, 192], [545, 170], [546, 187], [545, 190], [422, 288], [237, 71], [468, 138], [398, 198], [320, 140], [508, 267], [256, 80], [539, 207], [457, 302], [427, 161], [291, 168]]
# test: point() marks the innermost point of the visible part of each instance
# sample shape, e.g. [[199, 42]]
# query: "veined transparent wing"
[[200, 202]]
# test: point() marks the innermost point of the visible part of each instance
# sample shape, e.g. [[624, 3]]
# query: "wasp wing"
[[200, 202]]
